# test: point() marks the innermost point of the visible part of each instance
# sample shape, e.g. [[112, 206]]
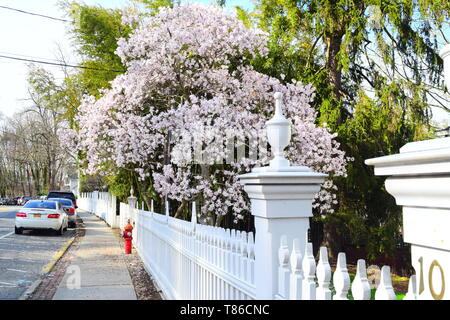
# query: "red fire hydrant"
[[127, 236]]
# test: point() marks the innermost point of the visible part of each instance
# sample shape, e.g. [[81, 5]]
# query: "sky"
[[28, 36]]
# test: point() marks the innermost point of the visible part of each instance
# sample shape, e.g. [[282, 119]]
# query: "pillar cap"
[[415, 158], [282, 177]]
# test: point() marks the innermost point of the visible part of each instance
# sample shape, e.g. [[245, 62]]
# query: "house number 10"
[[430, 280]]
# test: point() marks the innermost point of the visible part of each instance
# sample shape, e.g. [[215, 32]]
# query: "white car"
[[69, 208], [41, 214]]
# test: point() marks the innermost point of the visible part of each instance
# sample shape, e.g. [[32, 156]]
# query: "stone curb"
[[46, 270]]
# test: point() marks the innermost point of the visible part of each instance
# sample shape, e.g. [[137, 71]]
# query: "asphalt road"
[[22, 257]]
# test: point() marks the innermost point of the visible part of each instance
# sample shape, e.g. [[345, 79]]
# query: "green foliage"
[[95, 31], [350, 51], [373, 66], [244, 16], [120, 184], [153, 6]]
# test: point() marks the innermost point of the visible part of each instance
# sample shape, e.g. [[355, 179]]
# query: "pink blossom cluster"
[[188, 70]]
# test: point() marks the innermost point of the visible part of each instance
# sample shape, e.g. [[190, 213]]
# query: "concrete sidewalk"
[[98, 266]]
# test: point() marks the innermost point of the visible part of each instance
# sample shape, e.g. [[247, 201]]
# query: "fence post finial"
[[341, 278], [167, 208], [194, 213], [296, 271], [278, 134], [385, 290], [323, 275], [360, 285], [309, 271]]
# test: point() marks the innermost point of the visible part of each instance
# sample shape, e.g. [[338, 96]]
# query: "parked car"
[[3, 201], [63, 194], [41, 214], [12, 201], [69, 207], [23, 200]]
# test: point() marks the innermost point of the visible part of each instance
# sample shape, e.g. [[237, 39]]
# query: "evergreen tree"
[[376, 70]]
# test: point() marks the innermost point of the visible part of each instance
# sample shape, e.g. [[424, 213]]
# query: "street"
[[23, 257]]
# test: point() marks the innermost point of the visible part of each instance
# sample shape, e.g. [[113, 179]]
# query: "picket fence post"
[[192, 275], [385, 290], [412, 289], [296, 272], [360, 285], [281, 198], [341, 278], [309, 273], [132, 201], [323, 275], [283, 269]]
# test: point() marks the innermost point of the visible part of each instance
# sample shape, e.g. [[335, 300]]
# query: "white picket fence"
[[193, 261], [102, 204], [300, 278], [189, 260]]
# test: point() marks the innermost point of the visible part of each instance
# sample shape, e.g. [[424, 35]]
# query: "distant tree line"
[[32, 160]]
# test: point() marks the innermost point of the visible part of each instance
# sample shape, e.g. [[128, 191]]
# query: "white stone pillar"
[[419, 180], [281, 202], [132, 201]]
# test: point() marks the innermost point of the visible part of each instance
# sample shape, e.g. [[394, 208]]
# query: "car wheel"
[[72, 225], [18, 230], [60, 231]]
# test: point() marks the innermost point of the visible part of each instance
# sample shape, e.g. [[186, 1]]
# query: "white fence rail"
[[193, 261]]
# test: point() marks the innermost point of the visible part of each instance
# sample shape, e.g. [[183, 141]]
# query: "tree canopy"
[[376, 68], [375, 75], [189, 73]]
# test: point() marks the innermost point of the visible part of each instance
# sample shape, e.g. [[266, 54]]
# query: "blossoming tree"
[[189, 74]]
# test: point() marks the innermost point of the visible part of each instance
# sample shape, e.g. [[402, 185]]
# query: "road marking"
[[8, 283], [6, 235], [17, 270]]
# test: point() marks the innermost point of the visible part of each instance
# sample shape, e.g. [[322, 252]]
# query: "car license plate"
[[36, 215]]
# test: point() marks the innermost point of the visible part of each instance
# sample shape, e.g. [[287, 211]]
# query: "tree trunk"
[[331, 239], [30, 192], [333, 44], [182, 209], [335, 73], [219, 220], [49, 176]]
